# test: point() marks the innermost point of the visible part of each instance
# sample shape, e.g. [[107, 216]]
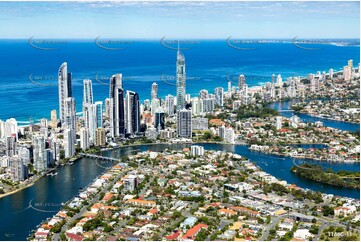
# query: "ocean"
[[28, 75]]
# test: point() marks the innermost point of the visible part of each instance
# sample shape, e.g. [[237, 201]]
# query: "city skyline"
[[180, 138]]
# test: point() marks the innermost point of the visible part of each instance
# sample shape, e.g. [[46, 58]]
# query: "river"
[[46, 195], [286, 105]]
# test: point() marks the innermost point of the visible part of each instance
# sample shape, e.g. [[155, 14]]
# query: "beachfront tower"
[[87, 91], [180, 80], [154, 92], [65, 89]]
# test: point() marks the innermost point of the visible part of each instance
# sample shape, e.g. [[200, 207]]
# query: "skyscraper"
[[87, 91], [25, 154], [241, 82], [184, 124], [69, 143], [69, 119], [17, 168], [279, 81], [65, 89], [169, 105], [197, 106], [132, 113], [9, 128], [100, 137], [53, 119], [346, 73], [99, 114], [107, 108], [208, 105], [155, 104], [70, 127], [90, 120], [10, 146], [218, 93], [40, 164], [154, 92], [330, 73], [159, 119], [89, 110], [203, 94], [116, 95], [55, 149], [44, 123], [350, 64], [84, 139], [180, 80]]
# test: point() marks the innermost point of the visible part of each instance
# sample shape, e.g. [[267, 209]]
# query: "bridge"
[[99, 157]]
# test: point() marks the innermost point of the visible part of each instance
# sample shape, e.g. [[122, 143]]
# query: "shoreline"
[[36, 179], [21, 188], [320, 117], [165, 143], [296, 171]]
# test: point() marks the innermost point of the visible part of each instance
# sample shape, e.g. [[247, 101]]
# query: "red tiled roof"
[[108, 196], [153, 211], [193, 231], [173, 236], [74, 236]]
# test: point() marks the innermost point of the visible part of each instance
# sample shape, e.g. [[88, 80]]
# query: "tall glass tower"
[[87, 91], [180, 80], [132, 113], [116, 95], [65, 90]]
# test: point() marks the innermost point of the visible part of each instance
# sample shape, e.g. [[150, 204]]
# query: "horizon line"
[[183, 38]]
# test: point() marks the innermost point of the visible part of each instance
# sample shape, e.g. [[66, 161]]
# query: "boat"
[[70, 163]]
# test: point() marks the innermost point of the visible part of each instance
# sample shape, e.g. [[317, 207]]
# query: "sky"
[[193, 20]]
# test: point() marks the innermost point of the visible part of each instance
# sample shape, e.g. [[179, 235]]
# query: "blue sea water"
[[143, 62]]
